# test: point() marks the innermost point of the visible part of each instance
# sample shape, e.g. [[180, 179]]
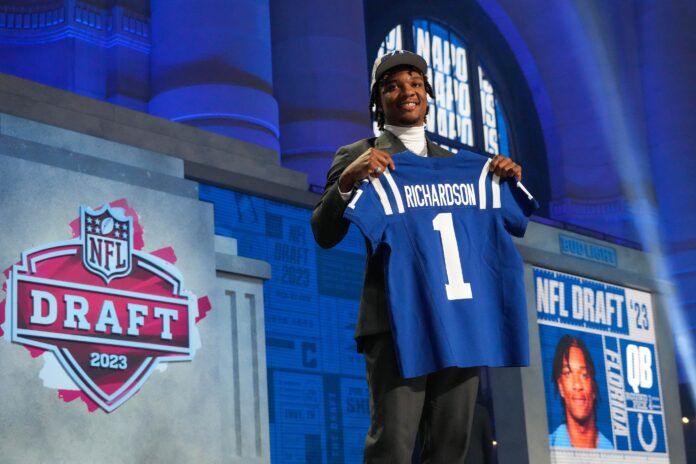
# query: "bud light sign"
[[109, 312]]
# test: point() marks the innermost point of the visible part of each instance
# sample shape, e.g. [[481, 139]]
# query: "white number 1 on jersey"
[[456, 288]]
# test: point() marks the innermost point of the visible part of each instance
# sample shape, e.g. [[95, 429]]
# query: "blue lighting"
[[620, 130], [231, 116]]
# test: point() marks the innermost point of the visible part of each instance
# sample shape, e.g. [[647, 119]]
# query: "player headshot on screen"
[[574, 380]]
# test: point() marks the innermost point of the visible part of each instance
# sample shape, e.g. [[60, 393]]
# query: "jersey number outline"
[[455, 287]]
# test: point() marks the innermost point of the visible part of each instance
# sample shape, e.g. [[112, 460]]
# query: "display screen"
[[450, 112], [449, 75], [318, 398], [601, 375]]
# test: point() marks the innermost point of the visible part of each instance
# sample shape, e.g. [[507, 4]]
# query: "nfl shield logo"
[[107, 241]]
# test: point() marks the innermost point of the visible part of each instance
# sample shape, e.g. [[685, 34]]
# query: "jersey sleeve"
[[366, 211], [517, 205]]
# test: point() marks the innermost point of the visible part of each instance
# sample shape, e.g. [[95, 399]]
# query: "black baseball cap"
[[396, 58]]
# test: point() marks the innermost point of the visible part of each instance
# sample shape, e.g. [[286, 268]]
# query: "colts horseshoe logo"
[[653, 442]]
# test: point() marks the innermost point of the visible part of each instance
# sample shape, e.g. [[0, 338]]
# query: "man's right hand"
[[371, 163]]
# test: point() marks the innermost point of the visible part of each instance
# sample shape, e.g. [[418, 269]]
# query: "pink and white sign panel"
[[108, 312]]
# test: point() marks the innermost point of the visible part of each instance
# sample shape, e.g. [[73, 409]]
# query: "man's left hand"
[[504, 167]]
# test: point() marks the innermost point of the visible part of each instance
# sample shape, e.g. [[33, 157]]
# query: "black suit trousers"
[[439, 405]]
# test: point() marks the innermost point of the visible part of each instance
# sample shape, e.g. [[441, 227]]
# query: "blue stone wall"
[[98, 52], [211, 67], [668, 73], [319, 80]]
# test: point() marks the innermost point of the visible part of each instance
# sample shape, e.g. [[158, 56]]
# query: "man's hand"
[[504, 167], [371, 163]]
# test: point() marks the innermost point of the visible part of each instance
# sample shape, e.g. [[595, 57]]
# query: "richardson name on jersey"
[[428, 195]]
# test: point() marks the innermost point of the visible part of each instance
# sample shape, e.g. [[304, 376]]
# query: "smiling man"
[[441, 404], [574, 380]]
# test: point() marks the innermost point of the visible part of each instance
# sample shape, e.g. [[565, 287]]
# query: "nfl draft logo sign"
[[109, 313]]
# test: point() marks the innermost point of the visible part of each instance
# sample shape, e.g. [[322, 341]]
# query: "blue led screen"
[[318, 397], [451, 118]]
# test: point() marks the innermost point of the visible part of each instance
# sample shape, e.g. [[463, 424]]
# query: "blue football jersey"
[[453, 275]]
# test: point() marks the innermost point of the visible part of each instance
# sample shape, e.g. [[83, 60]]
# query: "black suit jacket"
[[329, 228]]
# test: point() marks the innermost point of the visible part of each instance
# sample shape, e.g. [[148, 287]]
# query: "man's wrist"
[[345, 183], [346, 187], [345, 196]]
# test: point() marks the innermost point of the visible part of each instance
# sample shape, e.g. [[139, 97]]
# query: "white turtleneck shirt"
[[412, 137]]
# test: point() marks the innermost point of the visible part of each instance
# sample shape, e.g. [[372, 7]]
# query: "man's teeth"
[[408, 104]]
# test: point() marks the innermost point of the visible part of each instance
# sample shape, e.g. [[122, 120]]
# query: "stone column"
[[211, 67], [320, 81]]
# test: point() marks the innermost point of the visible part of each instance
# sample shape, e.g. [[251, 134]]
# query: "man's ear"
[[560, 390]]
